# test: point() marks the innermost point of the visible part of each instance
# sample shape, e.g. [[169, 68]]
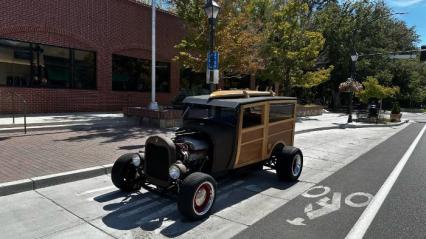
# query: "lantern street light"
[[354, 58], [211, 9]]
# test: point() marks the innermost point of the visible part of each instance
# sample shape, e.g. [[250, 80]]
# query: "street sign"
[[213, 60], [215, 77]]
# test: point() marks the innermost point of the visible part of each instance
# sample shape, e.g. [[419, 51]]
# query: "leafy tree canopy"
[[291, 48], [373, 90]]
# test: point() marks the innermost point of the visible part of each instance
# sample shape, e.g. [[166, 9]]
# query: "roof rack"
[[220, 94]]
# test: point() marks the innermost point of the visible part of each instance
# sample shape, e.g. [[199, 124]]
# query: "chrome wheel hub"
[[297, 165]]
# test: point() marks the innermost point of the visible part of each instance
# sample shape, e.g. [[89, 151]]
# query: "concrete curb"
[[52, 179], [350, 126]]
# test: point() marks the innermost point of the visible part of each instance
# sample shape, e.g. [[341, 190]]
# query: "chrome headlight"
[[174, 172], [136, 160]]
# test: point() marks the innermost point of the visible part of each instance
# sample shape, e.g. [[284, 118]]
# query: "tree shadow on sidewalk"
[[110, 135]]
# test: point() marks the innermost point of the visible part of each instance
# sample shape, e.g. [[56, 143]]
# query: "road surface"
[[331, 208]]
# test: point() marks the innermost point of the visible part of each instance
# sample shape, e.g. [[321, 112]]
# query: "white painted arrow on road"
[[326, 207]]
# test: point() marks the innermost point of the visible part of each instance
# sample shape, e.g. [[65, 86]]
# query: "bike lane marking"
[[325, 205], [367, 217]]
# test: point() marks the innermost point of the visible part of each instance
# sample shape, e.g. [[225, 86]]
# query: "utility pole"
[[153, 105]]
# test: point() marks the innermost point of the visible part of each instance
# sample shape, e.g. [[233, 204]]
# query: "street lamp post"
[[212, 10], [153, 105], [354, 58]]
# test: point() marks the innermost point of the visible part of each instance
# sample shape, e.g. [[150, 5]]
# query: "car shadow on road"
[[151, 212]]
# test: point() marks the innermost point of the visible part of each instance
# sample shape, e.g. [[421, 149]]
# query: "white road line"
[[95, 190], [367, 217]]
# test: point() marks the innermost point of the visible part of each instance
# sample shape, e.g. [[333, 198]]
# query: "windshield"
[[213, 113]]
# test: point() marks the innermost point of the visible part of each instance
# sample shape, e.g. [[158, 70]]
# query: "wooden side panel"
[[251, 135], [280, 126], [251, 140], [256, 143], [251, 152], [280, 132]]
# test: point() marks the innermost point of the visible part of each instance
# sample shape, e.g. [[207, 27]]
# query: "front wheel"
[[289, 164], [197, 195], [124, 173]]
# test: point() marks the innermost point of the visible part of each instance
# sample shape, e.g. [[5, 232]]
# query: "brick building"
[[84, 55]]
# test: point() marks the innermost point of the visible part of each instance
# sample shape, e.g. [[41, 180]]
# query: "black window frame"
[[35, 72], [142, 61]]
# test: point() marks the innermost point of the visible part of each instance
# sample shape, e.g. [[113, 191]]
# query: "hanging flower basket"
[[350, 86]]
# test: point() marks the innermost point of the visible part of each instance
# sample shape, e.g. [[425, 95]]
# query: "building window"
[[24, 64], [134, 74]]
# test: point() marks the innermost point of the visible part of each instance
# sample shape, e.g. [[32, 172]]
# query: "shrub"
[[395, 108]]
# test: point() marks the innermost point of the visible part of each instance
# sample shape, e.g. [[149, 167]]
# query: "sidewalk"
[[44, 152], [328, 121], [61, 120], [324, 121]]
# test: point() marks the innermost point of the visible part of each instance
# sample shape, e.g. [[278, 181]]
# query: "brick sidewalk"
[[47, 152]]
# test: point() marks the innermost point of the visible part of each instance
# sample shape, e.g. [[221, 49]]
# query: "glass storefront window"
[[162, 77], [84, 69], [133, 74], [36, 65], [15, 63], [55, 67]]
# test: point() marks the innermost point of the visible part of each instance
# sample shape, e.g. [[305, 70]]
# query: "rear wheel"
[[197, 195], [125, 175], [289, 163]]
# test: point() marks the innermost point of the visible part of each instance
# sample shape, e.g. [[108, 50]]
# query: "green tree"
[[291, 49], [367, 27], [373, 90], [239, 35], [410, 76]]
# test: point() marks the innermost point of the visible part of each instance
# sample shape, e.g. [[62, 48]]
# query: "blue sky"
[[416, 15]]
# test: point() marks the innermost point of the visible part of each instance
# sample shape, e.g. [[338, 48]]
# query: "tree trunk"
[[287, 84]]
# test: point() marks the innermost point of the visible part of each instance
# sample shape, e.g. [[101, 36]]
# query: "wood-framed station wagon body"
[[222, 132]]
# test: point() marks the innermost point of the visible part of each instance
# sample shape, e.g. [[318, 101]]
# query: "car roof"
[[231, 102]]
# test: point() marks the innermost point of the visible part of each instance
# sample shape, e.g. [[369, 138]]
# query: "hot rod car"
[[222, 132]]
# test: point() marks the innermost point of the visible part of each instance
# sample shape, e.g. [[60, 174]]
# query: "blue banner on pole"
[[213, 60]]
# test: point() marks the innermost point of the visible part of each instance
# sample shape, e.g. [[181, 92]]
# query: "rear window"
[[214, 113], [280, 111]]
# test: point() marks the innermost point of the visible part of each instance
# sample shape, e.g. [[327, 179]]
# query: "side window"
[[253, 116], [280, 111]]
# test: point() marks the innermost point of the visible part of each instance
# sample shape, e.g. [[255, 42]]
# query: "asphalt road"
[[403, 213], [332, 207]]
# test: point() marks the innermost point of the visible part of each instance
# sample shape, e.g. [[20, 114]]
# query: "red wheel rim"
[[203, 198]]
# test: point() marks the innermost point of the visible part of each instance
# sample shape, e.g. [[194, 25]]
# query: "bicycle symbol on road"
[[327, 205]]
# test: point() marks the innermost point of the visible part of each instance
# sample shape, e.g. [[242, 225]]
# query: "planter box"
[[164, 118], [310, 110], [395, 117]]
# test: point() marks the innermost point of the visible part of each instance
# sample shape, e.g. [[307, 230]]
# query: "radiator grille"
[[157, 162]]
